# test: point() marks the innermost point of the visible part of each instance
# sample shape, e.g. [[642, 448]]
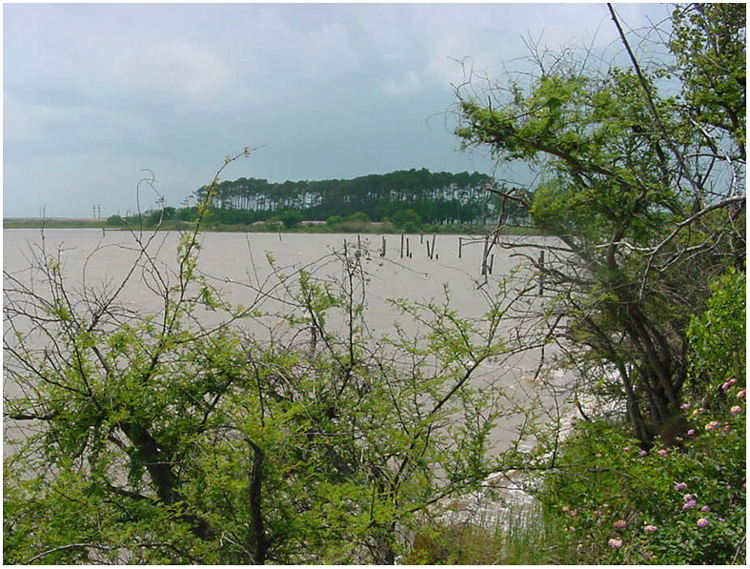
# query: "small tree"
[[644, 192], [291, 218]]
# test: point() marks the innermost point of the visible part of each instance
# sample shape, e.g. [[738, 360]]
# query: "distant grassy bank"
[[61, 223], [369, 227]]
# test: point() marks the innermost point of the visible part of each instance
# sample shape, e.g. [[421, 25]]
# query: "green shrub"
[[682, 501], [358, 216], [717, 337]]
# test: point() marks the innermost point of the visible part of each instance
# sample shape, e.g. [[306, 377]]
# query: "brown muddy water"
[[238, 264]]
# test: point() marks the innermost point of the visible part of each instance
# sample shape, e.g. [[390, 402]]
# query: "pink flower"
[[616, 543], [687, 497], [565, 509], [662, 453], [650, 529], [727, 384], [643, 453], [626, 449], [713, 425], [621, 524], [571, 529], [691, 432], [741, 394], [703, 522], [689, 504], [698, 411], [680, 486], [736, 410], [705, 509], [685, 406]]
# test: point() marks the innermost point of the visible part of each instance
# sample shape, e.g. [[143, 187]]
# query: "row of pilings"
[[430, 244]]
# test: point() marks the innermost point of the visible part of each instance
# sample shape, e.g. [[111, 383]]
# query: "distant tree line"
[[409, 199], [406, 197]]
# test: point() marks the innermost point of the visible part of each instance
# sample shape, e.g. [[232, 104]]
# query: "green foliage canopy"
[[645, 192]]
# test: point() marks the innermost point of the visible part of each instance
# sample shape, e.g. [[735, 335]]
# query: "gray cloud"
[[95, 92]]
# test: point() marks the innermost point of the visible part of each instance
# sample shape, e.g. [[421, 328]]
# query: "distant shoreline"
[[52, 223], [343, 227]]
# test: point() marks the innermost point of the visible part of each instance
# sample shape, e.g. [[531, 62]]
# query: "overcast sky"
[[94, 93]]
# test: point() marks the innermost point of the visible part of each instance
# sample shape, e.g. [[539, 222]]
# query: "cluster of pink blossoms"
[[620, 524], [689, 502]]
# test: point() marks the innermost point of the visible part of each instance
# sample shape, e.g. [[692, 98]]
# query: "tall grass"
[[517, 535]]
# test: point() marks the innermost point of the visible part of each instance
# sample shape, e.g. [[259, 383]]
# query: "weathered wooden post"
[[433, 246], [402, 245], [460, 245], [382, 252], [408, 254], [541, 273], [484, 254]]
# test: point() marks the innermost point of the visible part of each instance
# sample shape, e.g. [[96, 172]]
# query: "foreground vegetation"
[[158, 438], [646, 194]]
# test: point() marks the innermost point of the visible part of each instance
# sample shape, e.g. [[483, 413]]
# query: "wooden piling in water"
[[382, 252], [402, 245], [541, 273], [460, 246], [408, 254], [433, 246], [484, 255]]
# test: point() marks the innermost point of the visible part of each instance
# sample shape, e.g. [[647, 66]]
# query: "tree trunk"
[[257, 542]]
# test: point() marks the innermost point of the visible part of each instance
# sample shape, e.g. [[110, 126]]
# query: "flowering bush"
[[684, 504], [635, 509]]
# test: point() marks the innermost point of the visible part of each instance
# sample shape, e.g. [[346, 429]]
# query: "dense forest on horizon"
[[417, 196]]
